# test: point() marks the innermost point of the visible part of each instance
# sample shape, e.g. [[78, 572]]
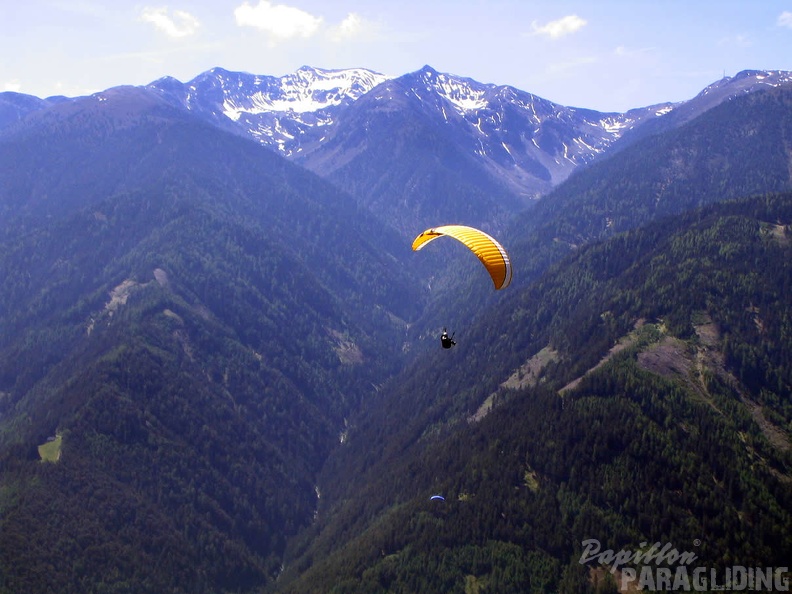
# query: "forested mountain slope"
[[190, 325], [740, 148], [725, 89], [638, 392], [181, 332]]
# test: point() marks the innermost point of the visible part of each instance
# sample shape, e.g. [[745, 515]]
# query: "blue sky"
[[609, 55]]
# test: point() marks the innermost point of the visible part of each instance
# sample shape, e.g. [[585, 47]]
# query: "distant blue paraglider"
[[437, 498]]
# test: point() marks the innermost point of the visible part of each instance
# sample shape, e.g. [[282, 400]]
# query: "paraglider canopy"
[[491, 253], [437, 498]]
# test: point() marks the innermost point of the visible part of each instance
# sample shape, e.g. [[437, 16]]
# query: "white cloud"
[[352, 26], [559, 28], [179, 24], [13, 85], [785, 20], [280, 21]]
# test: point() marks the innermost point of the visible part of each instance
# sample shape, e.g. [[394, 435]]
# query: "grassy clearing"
[[51, 451], [531, 479]]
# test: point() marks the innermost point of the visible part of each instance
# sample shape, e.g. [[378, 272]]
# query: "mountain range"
[[493, 149], [218, 369]]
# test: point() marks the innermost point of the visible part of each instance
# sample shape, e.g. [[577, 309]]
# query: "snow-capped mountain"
[[746, 81], [520, 137], [529, 143], [513, 132], [280, 112], [425, 145], [430, 144]]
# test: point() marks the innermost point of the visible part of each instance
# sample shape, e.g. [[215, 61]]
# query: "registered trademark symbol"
[[696, 542]]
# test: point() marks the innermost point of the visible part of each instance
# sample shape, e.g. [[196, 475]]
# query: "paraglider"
[[491, 253], [437, 498], [446, 340]]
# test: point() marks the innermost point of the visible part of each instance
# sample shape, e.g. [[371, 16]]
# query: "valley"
[[216, 341]]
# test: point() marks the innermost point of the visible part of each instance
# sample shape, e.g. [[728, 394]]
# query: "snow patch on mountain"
[[614, 125], [462, 93], [307, 90]]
